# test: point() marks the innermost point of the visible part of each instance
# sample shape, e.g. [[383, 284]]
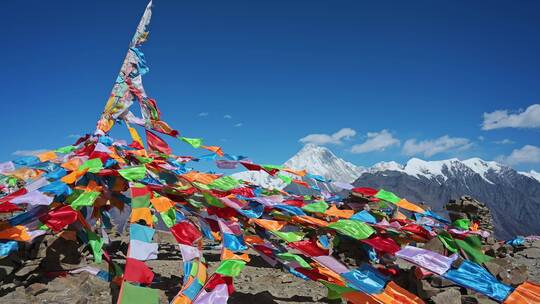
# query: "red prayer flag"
[[59, 218], [299, 182], [313, 274], [296, 203], [13, 195], [156, 143], [186, 233], [366, 191], [137, 271], [264, 250], [309, 248], [85, 150], [8, 207], [383, 244], [418, 230], [245, 192], [251, 166], [218, 279]]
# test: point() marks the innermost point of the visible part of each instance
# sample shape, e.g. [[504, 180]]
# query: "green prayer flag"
[[169, 217], [96, 244], [93, 165], [117, 270], [201, 186], [336, 291], [231, 268], [65, 150], [144, 160], [195, 203], [272, 167], [448, 241], [83, 198], [136, 294], [43, 227], [286, 179], [194, 142], [133, 173], [289, 236], [213, 201], [224, 183], [319, 206], [355, 229], [462, 224], [12, 181], [194, 270], [387, 196], [472, 245], [141, 201], [294, 258]]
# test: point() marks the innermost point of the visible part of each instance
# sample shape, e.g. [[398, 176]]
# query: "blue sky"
[[398, 78]]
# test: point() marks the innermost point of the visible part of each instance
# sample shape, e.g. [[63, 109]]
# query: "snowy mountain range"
[[513, 197]]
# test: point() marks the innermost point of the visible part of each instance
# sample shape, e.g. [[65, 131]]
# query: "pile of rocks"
[[467, 207]]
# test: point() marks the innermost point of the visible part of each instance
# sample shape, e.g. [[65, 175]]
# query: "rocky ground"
[[24, 281]]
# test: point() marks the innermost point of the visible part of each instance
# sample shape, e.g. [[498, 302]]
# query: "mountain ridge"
[[513, 196], [322, 161]]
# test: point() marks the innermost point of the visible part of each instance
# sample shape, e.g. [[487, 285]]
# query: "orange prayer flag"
[[268, 224], [295, 172], [305, 219], [253, 240], [47, 156], [25, 173], [162, 203], [73, 176], [334, 211], [214, 149], [403, 203], [395, 294], [141, 214], [15, 233], [72, 164], [357, 297], [216, 235], [301, 183], [105, 124], [526, 293], [135, 136], [229, 255], [203, 178], [333, 277], [201, 274], [116, 157], [91, 186], [401, 216]]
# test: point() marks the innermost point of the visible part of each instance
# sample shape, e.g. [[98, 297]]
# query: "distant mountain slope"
[[513, 197]]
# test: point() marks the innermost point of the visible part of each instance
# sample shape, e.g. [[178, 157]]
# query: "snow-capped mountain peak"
[[321, 161], [442, 169], [386, 166], [316, 160], [483, 167]]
